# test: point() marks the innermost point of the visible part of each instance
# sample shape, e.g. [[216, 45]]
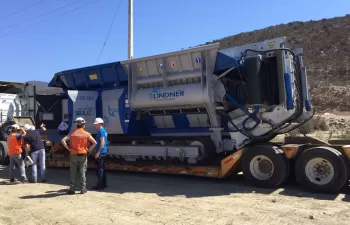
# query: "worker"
[[43, 127], [15, 143], [79, 142], [35, 148], [100, 155]]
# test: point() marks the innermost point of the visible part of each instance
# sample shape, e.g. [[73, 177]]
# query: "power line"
[[36, 17], [110, 28], [19, 11], [77, 8]]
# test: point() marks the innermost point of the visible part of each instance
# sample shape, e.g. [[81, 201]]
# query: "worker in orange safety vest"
[[15, 144], [79, 149]]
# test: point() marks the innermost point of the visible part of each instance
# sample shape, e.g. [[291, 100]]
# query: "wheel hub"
[[319, 171], [265, 166], [261, 167]]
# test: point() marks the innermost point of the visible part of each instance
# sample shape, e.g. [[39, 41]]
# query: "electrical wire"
[[109, 31], [41, 15], [19, 11], [62, 14]]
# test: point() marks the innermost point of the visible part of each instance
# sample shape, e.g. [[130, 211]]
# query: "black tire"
[[4, 160], [207, 152], [279, 162], [335, 158], [3, 130]]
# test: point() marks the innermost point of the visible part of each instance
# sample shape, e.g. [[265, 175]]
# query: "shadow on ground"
[[172, 185], [48, 194]]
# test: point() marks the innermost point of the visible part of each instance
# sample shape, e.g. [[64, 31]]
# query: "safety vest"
[[79, 141], [14, 145]]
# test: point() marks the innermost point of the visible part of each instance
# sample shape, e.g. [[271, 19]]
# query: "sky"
[[57, 35]]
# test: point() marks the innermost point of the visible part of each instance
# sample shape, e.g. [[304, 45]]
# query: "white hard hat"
[[15, 127], [79, 120], [98, 121], [28, 127]]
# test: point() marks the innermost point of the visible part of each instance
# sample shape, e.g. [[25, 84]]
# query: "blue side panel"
[[93, 77], [121, 106], [181, 121], [99, 106], [307, 102], [70, 113], [137, 127], [127, 111], [223, 63], [288, 85]]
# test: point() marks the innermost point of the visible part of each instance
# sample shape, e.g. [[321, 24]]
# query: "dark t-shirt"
[[33, 138]]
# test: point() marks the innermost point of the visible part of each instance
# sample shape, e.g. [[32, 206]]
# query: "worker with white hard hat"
[[15, 144], [79, 142], [100, 155], [36, 149]]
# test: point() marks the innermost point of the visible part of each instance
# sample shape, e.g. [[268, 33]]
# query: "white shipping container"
[[12, 105]]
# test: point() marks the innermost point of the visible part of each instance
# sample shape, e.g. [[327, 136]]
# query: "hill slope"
[[43, 88], [326, 45]]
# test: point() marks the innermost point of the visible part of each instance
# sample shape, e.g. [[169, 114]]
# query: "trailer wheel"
[[3, 153], [4, 129], [265, 166], [321, 169]]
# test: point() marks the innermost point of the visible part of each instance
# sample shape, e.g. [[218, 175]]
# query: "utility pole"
[[131, 31]]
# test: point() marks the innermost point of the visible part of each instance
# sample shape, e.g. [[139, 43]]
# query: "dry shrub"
[[320, 123], [316, 123]]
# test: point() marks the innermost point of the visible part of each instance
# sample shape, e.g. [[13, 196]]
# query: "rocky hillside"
[[326, 45]]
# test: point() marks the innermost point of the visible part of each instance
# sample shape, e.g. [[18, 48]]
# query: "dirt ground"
[[134, 198]]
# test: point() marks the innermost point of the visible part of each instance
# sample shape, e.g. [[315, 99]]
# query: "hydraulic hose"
[[298, 108]]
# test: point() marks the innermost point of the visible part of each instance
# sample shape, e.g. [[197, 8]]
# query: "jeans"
[[101, 173], [17, 159], [38, 156], [78, 161]]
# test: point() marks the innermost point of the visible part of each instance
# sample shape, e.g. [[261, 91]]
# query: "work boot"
[[97, 188], [32, 181], [70, 192], [24, 180], [12, 180], [83, 191]]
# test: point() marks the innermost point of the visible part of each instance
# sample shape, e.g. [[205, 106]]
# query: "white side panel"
[[84, 105], [110, 110], [187, 95], [6, 107], [164, 121], [198, 120]]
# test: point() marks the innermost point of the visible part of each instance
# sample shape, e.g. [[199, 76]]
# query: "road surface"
[[134, 198]]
